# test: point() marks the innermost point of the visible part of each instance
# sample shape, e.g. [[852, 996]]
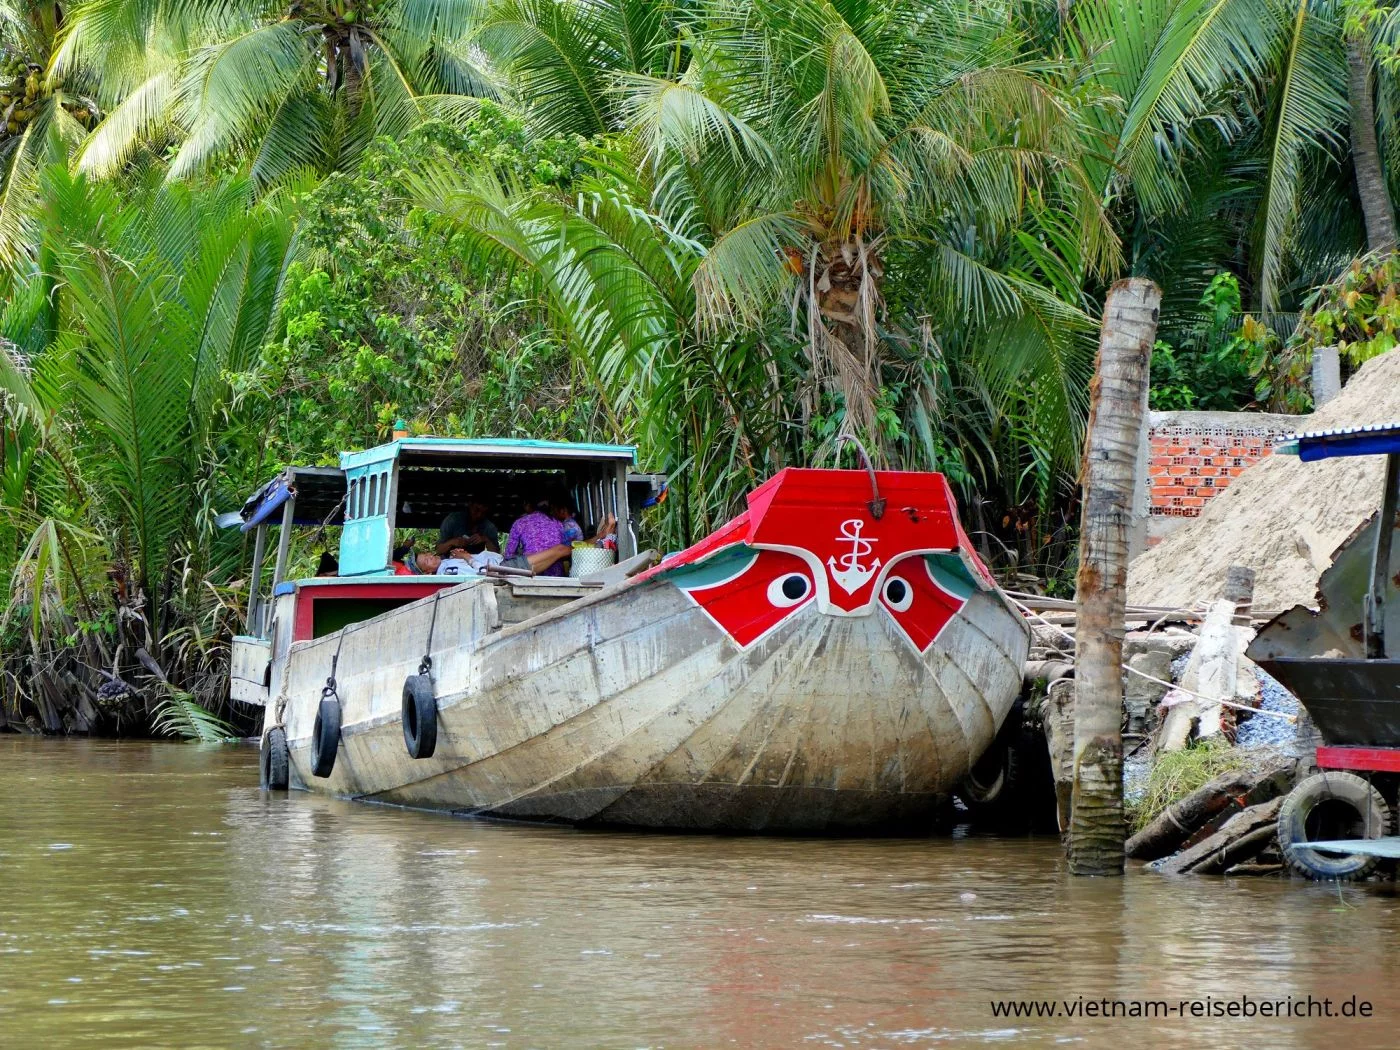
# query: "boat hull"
[[820, 663], [634, 708]]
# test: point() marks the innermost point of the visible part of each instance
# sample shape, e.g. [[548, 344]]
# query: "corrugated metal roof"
[[1373, 439]]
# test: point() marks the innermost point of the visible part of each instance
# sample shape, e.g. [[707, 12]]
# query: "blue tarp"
[[1375, 440], [261, 507]]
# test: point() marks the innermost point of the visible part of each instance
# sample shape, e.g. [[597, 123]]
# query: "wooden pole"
[[254, 621], [1096, 830]]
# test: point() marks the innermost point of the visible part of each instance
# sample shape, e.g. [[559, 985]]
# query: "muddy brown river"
[[153, 897]]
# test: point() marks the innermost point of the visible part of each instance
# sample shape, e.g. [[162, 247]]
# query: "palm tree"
[[42, 117], [1096, 831], [779, 178], [123, 413], [560, 60], [291, 88], [1365, 152], [836, 137], [1292, 86], [617, 285]]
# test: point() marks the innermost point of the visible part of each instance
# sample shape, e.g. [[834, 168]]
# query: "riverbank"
[[159, 899]]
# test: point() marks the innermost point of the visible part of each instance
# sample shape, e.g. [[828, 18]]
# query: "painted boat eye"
[[898, 594], [788, 590]]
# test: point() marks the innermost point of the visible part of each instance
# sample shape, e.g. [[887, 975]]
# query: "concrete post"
[[1326, 374]]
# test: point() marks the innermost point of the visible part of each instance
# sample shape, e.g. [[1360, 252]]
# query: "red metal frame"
[[303, 623], [1366, 759]]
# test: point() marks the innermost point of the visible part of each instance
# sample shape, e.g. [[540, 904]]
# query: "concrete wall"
[[1193, 456]]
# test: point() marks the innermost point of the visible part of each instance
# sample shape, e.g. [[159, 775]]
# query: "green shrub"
[[1178, 773]]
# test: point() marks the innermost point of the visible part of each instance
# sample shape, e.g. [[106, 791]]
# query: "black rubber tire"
[[274, 761], [325, 737], [1010, 789], [993, 778], [419, 714], [1331, 806]]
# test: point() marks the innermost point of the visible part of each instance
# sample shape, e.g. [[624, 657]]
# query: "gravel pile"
[[1257, 732]]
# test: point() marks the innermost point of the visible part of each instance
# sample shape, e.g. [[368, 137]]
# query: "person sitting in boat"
[[535, 542], [536, 532], [564, 511], [460, 527]]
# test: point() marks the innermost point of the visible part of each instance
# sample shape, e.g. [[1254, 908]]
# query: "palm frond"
[[179, 714], [1310, 109]]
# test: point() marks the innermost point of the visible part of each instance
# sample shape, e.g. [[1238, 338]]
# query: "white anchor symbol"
[[851, 576]]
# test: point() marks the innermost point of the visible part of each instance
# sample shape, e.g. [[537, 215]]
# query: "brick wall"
[[1193, 457]]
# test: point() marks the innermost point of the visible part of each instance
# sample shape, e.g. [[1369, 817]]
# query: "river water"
[[153, 897]]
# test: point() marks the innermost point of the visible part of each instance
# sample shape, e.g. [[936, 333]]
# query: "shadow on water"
[[155, 898]]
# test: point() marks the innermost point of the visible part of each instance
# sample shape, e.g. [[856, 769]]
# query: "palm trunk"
[[1365, 154], [848, 297], [1116, 400]]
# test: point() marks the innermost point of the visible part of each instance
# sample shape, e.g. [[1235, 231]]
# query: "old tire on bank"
[[325, 737], [1330, 806], [273, 760], [419, 716]]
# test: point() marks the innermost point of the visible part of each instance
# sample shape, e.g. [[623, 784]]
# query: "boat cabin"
[[415, 483]]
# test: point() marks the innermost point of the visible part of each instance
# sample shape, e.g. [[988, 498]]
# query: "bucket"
[[588, 559]]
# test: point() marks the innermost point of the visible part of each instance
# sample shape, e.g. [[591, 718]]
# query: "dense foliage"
[[245, 233]]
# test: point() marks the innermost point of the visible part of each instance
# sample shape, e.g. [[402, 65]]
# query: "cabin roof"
[[498, 472], [1374, 439], [495, 453]]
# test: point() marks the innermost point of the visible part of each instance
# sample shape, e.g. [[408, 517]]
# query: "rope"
[[425, 666], [1211, 699], [319, 536], [279, 714], [329, 690], [1293, 719]]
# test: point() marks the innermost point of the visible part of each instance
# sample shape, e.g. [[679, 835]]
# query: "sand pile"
[[1281, 517]]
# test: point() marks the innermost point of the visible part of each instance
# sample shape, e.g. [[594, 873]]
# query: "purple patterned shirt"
[[532, 533]]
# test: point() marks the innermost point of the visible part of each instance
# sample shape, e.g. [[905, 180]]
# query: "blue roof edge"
[[486, 446], [1369, 440]]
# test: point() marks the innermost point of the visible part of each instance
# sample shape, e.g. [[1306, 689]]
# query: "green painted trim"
[[949, 572], [723, 564]]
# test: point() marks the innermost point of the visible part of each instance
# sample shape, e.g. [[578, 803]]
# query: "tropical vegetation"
[[239, 234]]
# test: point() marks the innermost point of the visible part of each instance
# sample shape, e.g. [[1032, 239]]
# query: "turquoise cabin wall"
[[366, 542]]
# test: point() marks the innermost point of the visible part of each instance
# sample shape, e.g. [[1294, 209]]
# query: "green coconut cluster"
[[21, 89]]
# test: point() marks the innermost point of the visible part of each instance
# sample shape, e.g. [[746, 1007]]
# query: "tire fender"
[[325, 737], [419, 714], [273, 760]]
